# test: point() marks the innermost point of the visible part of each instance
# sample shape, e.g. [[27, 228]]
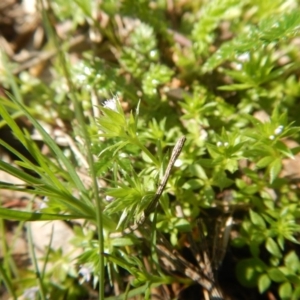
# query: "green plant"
[[205, 74]]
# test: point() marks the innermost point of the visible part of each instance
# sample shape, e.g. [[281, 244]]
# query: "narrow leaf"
[[10, 214]]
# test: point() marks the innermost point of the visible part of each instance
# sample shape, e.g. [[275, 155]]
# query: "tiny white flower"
[[87, 70], [272, 137], [238, 67], [219, 144], [278, 130], [153, 53], [154, 81], [244, 57], [123, 155], [43, 204], [226, 144], [86, 273], [178, 163], [203, 134], [111, 104], [109, 198], [80, 77]]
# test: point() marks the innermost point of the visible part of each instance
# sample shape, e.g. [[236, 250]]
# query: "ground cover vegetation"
[[177, 171]]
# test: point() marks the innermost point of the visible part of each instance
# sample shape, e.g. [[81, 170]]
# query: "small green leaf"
[[239, 242], [257, 220], [265, 161], [248, 271], [273, 248], [206, 162], [285, 290], [207, 195], [276, 275], [293, 278], [121, 242], [280, 241], [291, 261], [284, 149], [274, 169], [193, 184], [235, 87], [263, 283], [221, 180], [274, 261], [182, 225]]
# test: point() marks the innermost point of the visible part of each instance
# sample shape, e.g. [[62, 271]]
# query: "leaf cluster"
[[207, 73]]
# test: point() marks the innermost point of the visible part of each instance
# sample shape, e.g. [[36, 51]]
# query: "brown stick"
[[154, 202]]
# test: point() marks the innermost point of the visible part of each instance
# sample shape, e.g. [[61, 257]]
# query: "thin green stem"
[[82, 123], [7, 282], [5, 273], [35, 264], [99, 218], [4, 249]]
